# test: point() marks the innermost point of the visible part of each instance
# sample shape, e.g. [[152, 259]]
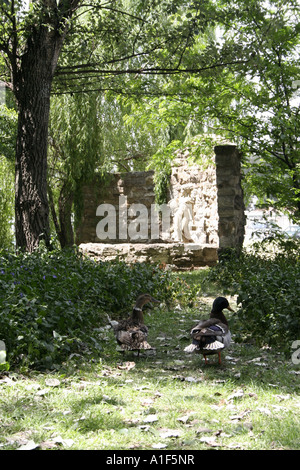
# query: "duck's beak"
[[229, 308], [154, 300]]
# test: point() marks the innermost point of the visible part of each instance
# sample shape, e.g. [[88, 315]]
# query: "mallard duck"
[[211, 336], [131, 333]]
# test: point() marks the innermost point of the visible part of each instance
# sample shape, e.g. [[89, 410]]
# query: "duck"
[[131, 333], [212, 336]]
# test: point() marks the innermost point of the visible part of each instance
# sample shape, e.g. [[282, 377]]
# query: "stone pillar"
[[232, 218]]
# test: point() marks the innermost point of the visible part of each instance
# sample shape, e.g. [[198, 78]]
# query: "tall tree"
[[107, 39], [31, 43]]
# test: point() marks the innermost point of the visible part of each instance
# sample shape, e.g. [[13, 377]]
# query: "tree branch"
[[68, 70]]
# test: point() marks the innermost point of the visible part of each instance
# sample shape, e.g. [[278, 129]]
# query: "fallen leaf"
[[147, 401], [63, 442], [47, 445], [170, 433], [248, 426], [279, 408], [123, 431], [42, 392], [265, 411], [240, 416], [132, 422], [159, 445], [210, 441], [32, 387], [283, 397], [229, 358], [237, 394], [144, 427], [7, 381], [19, 438], [184, 419], [234, 446], [151, 419], [179, 377], [30, 445], [52, 382], [126, 366], [190, 379], [203, 430]]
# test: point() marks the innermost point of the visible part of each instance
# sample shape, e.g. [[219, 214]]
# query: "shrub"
[[51, 303], [267, 282]]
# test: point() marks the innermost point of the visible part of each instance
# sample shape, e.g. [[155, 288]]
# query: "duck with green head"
[[211, 336]]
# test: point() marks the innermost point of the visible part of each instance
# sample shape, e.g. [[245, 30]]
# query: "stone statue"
[[183, 217]]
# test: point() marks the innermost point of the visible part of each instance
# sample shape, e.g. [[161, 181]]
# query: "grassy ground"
[[169, 400]]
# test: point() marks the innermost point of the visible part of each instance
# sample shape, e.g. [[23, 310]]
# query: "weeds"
[[90, 397], [52, 304], [267, 283]]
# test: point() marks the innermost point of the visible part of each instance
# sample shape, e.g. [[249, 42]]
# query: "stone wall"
[[205, 213], [174, 255], [121, 191]]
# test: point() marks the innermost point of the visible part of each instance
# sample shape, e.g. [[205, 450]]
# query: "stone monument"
[[203, 214]]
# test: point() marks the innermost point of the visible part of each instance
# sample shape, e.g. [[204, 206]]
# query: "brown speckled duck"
[[211, 336], [131, 333]]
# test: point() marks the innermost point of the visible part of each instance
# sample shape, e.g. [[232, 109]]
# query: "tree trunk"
[[65, 203], [32, 86], [63, 224]]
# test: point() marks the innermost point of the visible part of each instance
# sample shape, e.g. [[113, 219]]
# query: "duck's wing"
[[211, 327], [130, 337], [209, 336], [133, 338], [130, 325]]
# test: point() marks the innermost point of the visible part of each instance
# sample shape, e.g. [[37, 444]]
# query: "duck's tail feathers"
[[216, 345], [191, 348]]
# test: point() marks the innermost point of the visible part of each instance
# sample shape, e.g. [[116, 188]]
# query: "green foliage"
[[53, 303], [161, 163], [6, 202], [75, 151], [8, 131], [8, 121], [252, 99], [267, 282], [265, 113], [8, 125]]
